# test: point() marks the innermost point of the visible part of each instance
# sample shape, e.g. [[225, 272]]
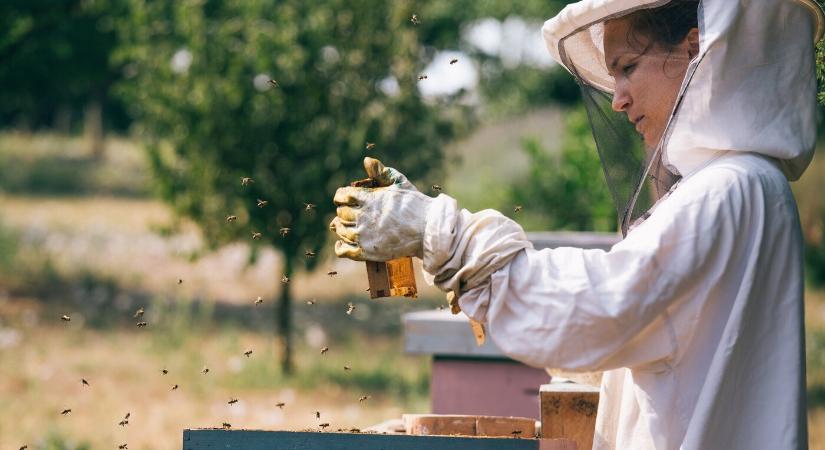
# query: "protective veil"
[[697, 315]]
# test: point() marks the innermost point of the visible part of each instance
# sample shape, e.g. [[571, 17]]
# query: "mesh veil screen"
[[633, 170]]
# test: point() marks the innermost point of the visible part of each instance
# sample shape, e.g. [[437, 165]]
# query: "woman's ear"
[[693, 42]]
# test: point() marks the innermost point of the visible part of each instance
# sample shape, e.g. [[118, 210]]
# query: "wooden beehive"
[[469, 425], [394, 278], [568, 410], [214, 439]]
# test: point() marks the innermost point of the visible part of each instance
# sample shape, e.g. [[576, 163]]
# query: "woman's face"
[[648, 77]]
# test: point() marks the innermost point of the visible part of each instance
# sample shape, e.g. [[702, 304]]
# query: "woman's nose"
[[621, 99]]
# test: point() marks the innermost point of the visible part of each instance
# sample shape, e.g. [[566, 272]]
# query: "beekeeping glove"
[[380, 223]]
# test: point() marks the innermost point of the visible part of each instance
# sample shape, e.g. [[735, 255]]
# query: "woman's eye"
[[628, 68]]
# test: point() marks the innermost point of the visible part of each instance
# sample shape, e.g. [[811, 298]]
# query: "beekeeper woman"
[[696, 315]]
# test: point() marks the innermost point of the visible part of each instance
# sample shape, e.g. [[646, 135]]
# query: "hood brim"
[[588, 59]]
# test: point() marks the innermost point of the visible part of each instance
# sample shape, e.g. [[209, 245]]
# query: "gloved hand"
[[380, 223]]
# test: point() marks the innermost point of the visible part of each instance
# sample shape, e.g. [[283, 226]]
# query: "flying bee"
[[324, 350], [164, 371], [453, 61], [231, 219], [311, 302], [246, 181], [126, 417], [284, 231], [363, 398], [175, 387], [259, 300], [226, 425], [332, 273], [205, 370], [141, 324], [350, 308], [370, 145], [65, 318], [518, 209], [248, 353], [123, 423], [422, 77], [317, 414], [274, 83], [256, 235], [262, 203], [308, 207], [180, 280], [280, 405], [138, 313], [84, 382], [123, 447], [347, 368], [414, 19], [232, 401], [24, 447], [323, 425], [436, 187], [516, 433], [284, 279], [66, 412], [354, 430], [309, 253]]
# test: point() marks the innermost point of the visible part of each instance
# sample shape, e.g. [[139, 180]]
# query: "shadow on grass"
[[815, 349], [99, 303], [60, 175], [104, 304]]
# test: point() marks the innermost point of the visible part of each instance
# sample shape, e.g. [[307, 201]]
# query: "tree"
[[814, 219], [345, 73], [36, 38], [506, 88], [566, 190]]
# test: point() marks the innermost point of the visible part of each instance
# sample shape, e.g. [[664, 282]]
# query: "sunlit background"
[[125, 129]]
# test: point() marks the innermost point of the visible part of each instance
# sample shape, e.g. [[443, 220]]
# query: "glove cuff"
[[461, 249], [441, 215]]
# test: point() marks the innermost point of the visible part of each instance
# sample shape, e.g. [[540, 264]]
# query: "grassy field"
[[98, 260], [99, 249], [43, 362], [93, 247]]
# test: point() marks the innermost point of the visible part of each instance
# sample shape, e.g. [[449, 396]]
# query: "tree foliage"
[[205, 107], [54, 56], [820, 67], [566, 190], [194, 74]]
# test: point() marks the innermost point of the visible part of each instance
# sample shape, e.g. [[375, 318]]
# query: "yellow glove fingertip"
[[373, 167]]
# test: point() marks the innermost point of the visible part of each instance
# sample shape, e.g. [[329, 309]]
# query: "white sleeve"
[[462, 249], [577, 309]]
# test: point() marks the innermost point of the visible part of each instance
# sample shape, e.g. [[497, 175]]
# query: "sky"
[[515, 41]]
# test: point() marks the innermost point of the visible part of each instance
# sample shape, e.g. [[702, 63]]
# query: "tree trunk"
[[63, 120], [284, 319], [93, 127]]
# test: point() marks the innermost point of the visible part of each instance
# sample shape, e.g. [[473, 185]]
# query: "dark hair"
[[667, 25]]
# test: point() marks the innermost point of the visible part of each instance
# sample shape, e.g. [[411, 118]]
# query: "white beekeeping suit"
[[697, 315]]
